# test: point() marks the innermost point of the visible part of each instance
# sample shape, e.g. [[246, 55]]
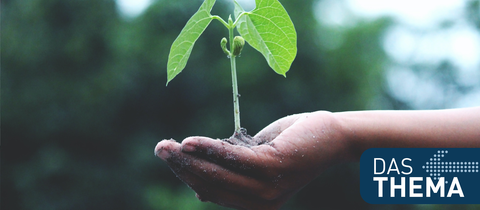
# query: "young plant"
[[268, 28]]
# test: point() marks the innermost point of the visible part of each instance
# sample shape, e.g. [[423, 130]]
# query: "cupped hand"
[[298, 149]]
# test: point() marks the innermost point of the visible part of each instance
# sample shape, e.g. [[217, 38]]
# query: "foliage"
[[267, 28], [183, 45]]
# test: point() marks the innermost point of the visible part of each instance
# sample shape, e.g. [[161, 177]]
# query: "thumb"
[[273, 130]]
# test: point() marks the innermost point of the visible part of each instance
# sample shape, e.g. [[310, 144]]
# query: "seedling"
[[268, 28]]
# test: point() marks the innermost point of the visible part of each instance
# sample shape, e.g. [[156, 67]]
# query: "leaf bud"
[[238, 43], [223, 44], [230, 21]]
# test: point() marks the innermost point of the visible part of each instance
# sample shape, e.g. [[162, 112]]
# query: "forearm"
[[404, 129]]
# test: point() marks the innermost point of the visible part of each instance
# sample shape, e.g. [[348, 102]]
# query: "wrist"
[[336, 128], [345, 126]]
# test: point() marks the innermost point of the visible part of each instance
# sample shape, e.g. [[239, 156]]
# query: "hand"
[[298, 149]]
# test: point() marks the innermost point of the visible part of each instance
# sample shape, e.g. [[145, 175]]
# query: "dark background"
[[84, 101]]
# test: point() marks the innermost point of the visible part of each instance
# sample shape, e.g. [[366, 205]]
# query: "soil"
[[243, 139]]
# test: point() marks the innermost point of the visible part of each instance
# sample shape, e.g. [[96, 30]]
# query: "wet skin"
[[258, 177], [300, 147]]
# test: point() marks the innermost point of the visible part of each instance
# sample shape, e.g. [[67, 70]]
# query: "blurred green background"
[[84, 102]]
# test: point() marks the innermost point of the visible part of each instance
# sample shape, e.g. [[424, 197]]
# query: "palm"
[[299, 147]]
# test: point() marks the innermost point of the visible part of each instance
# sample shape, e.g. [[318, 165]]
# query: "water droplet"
[[303, 155], [296, 150], [280, 161], [314, 137]]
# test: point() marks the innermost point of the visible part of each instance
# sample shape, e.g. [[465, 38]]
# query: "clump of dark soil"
[[243, 139]]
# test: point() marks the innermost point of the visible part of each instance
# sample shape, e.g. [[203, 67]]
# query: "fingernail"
[[188, 148], [163, 154]]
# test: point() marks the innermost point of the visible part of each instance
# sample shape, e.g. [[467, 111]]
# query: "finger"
[[213, 193], [165, 148], [170, 151], [274, 129], [237, 158], [224, 178]]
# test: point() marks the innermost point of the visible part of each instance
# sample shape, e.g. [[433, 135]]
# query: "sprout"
[[259, 27], [223, 44], [238, 43]]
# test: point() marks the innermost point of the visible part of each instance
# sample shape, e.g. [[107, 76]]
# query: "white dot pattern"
[[435, 167]]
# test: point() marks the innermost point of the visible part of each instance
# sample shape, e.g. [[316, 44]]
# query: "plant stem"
[[236, 104], [221, 20]]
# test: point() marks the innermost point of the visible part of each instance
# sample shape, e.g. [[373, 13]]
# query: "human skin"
[[302, 146]]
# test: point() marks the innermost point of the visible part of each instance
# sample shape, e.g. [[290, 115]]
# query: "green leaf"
[[269, 29], [183, 45]]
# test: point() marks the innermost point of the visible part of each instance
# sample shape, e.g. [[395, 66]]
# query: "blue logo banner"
[[420, 176]]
